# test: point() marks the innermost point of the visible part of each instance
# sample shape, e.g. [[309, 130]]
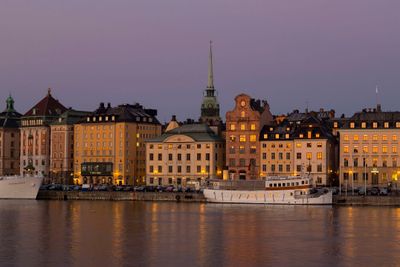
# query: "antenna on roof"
[[378, 105]]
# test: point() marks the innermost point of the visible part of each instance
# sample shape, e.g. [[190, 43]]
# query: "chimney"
[[173, 118], [108, 105], [101, 105], [378, 108]]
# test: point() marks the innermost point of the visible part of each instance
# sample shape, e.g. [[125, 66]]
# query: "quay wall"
[[131, 196], [194, 197]]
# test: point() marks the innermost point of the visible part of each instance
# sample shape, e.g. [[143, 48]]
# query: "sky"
[[293, 53]]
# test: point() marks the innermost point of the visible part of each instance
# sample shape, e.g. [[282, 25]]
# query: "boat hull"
[[281, 197], [20, 187]]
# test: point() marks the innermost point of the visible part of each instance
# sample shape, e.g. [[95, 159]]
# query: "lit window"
[[317, 135], [397, 124], [346, 137], [363, 125], [365, 137], [384, 137], [253, 127], [265, 136], [394, 137], [374, 125], [276, 136], [335, 124], [309, 134], [374, 149], [352, 125], [301, 135], [232, 138], [309, 155], [394, 149], [375, 137], [242, 114], [233, 127], [386, 125], [355, 137], [298, 145], [384, 149], [319, 155], [253, 138], [242, 138], [242, 127], [346, 149], [365, 149], [287, 136]]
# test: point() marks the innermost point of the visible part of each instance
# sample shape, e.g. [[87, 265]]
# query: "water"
[[102, 233]]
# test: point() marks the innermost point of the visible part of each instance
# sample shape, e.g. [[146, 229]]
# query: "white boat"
[[289, 190], [20, 187]]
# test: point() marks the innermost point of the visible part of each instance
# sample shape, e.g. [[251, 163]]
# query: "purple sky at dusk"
[[328, 53]]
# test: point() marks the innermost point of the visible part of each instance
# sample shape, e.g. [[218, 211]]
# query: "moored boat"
[[20, 187], [289, 190]]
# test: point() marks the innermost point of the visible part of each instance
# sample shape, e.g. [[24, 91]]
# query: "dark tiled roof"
[[71, 116], [10, 119], [47, 107], [127, 113], [373, 115]]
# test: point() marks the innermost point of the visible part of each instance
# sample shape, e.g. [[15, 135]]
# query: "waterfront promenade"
[[341, 200]]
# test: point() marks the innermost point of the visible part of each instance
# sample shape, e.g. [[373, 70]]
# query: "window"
[[253, 150], [375, 149], [170, 169], [242, 138], [298, 155], [151, 168], [384, 163], [288, 156], [319, 168], [394, 149], [232, 150], [375, 137], [179, 170], [233, 127], [243, 127], [384, 149], [386, 124], [317, 135], [232, 138], [208, 156], [169, 156], [280, 168], [384, 137], [198, 156], [352, 125], [232, 162], [308, 144], [272, 155], [253, 138], [276, 136], [264, 168], [319, 155], [198, 169], [319, 144], [159, 169], [365, 149], [394, 137], [374, 125], [365, 137], [355, 162], [151, 156], [188, 157], [298, 168], [355, 137], [298, 145], [345, 162], [253, 127], [242, 162], [241, 150], [346, 137], [309, 155], [159, 156], [346, 149], [273, 168], [280, 156], [363, 125]]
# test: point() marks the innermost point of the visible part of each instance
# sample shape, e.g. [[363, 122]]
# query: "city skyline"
[[124, 52]]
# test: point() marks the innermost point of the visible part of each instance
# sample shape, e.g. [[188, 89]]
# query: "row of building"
[[127, 144]]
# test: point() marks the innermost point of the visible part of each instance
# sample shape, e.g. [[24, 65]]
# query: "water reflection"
[[84, 233]]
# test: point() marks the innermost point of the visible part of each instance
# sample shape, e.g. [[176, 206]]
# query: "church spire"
[[210, 84]]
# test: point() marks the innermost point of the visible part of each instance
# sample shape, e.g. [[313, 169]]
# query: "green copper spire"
[[10, 104], [210, 83]]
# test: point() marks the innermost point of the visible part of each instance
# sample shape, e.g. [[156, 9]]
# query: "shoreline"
[[338, 200]]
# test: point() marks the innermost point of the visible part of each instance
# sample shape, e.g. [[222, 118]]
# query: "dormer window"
[[265, 136], [352, 124], [374, 125], [100, 118], [397, 124], [301, 135], [287, 136], [276, 136], [113, 118], [363, 125], [94, 119], [87, 119], [317, 135], [386, 125], [34, 111], [106, 118], [335, 124]]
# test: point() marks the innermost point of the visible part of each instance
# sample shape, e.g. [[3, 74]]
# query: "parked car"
[[374, 191], [160, 188], [77, 188], [128, 189], [139, 188], [361, 191], [169, 189], [383, 191], [150, 188]]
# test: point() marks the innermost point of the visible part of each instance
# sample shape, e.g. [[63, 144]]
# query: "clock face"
[[243, 103]]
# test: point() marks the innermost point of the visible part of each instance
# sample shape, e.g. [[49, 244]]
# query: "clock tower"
[[210, 105]]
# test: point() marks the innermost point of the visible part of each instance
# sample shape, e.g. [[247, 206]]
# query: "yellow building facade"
[[109, 145]]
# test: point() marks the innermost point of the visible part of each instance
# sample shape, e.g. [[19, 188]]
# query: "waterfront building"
[[192, 152], [109, 144], [210, 105], [369, 149], [35, 135], [243, 126], [62, 146], [9, 139], [301, 144]]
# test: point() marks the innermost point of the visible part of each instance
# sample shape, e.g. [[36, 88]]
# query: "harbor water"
[[127, 233]]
